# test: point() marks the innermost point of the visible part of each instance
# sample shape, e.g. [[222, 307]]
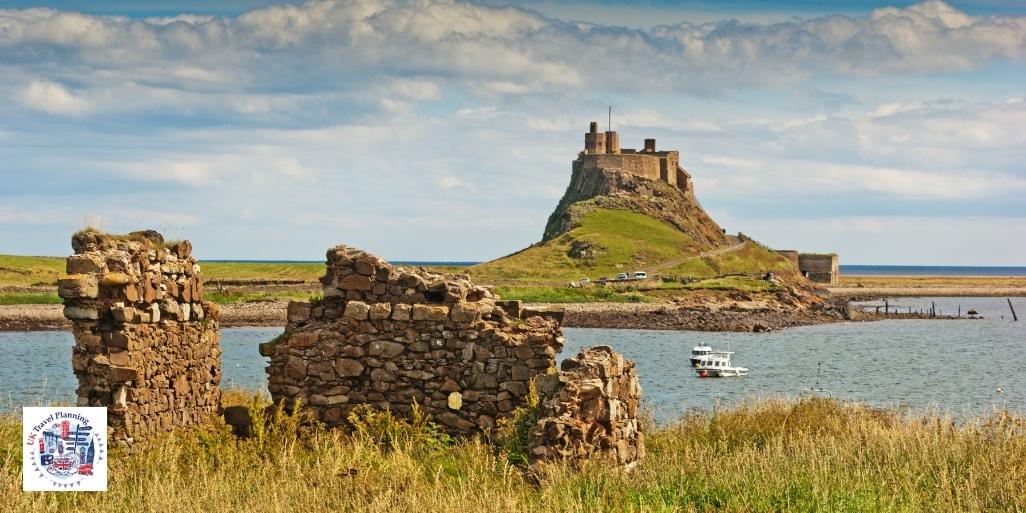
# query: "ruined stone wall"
[[588, 409], [146, 344], [386, 336]]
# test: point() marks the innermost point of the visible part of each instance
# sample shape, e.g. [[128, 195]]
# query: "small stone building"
[[819, 268], [388, 336], [146, 344]]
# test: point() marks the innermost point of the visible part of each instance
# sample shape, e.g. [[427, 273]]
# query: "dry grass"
[[932, 281], [810, 455]]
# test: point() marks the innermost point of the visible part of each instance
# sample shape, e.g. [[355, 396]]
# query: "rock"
[[347, 367], [116, 280], [239, 419], [355, 282], [77, 286], [455, 401], [81, 313], [380, 311], [356, 311], [430, 313], [298, 311], [86, 263]]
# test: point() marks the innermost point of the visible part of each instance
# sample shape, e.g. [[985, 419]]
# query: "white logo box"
[[64, 449]]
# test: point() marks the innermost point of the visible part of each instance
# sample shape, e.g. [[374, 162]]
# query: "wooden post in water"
[[1012, 308], [887, 308], [933, 309], [959, 311]]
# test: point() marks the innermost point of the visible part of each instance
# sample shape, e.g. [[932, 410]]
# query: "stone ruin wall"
[[146, 344], [386, 336], [589, 408]]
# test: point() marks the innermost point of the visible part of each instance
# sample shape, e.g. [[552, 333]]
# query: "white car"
[[640, 275]]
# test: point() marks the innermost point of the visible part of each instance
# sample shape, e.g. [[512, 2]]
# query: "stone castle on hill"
[[602, 150]]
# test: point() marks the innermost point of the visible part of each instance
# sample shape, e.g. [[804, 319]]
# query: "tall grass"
[[808, 455]]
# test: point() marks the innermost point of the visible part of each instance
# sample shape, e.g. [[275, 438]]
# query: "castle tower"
[[612, 142], [595, 141]]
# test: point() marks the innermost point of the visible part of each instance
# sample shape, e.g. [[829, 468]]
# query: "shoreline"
[[652, 316]]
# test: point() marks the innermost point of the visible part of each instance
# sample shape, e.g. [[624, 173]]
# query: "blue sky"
[[890, 132]]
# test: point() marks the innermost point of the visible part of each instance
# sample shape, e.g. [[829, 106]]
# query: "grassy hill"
[[606, 242]]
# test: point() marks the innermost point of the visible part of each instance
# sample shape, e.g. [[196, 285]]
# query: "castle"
[[602, 150]]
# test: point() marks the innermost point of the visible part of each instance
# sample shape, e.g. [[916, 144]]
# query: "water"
[[929, 270], [951, 365]]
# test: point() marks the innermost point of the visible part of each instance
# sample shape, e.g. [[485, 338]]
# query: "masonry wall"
[[637, 164], [589, 409], [146, 344], [819, 268], [386, 336]]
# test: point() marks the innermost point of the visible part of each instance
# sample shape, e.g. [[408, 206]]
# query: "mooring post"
[[887, 308], [1012, 308], [959, 311]]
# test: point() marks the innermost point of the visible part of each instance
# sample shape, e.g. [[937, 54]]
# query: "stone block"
[[116, 280], [85, 263], [81, 313], [298, 311], [380, 311], [401, 312], [430, 312], [356, 311], [356, 282], [76, 286]]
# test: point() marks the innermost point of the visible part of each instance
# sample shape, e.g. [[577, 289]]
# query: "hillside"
[[610, 221]]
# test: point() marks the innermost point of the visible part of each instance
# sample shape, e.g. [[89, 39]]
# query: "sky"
[[888, 132]]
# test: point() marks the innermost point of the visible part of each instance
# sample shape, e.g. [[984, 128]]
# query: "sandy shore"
[[930, 286]]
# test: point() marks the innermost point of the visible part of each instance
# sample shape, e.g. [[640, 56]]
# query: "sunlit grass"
[[809, 455]]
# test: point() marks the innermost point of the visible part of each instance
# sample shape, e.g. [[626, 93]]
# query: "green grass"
[[542, 294], [810, 455], [305, 271], [623, 241], [24, 271], [28, 298]]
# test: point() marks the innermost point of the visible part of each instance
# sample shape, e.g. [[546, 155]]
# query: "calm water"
[[956, 366]]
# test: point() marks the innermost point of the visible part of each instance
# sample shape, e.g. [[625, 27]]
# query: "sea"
[[959, 367]]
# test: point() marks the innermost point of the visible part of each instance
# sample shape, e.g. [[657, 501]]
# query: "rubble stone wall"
[[387, 336], [589, 409], [146, 344]]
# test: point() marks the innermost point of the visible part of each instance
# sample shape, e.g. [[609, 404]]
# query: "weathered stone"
[[356, 311], [80, 313], [86, 263], [152, 373], [380, 311], [401, 340], [355, 282], [430, 313], [78, 286], [348, 367], [455, 401], [298, 311], [116, 279]]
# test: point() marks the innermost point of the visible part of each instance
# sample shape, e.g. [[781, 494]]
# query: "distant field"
[[932, 281]]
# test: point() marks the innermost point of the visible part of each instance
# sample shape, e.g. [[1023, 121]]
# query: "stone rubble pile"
[[388, 336], [589, 408], [146, 344]]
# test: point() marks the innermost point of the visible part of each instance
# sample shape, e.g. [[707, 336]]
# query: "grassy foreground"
[[809, 455]]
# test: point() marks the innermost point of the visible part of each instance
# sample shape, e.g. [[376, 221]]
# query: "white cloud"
[[52, 98]]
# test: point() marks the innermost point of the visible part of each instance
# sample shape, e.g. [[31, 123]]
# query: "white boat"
[[698, 354], [717, 364]]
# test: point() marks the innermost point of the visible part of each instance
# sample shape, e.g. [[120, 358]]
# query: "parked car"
[[585, 281], [640, 275], [621, 276]]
